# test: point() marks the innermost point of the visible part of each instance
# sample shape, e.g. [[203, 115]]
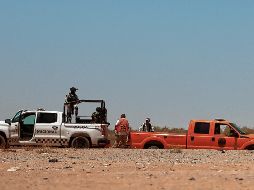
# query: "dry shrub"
[[248, 130], [170, 130]]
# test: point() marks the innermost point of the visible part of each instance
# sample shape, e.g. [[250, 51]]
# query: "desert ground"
[[113, 169]]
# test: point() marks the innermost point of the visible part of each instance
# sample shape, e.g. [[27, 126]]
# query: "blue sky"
[[168, 60]]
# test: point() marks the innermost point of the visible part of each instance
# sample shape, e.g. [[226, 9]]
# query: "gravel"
[[100, 167]]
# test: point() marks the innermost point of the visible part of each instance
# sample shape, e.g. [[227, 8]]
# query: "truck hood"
[[2, 123], [250, 136]]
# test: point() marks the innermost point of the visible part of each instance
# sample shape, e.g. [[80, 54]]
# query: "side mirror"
[[8, 121]]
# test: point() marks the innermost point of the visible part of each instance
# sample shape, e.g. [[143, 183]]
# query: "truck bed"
[[161, 139]]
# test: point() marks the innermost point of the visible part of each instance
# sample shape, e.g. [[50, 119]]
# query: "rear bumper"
[[103, 142]]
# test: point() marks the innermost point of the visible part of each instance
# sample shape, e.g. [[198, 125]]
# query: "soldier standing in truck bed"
[[147, 126], [71, 100]]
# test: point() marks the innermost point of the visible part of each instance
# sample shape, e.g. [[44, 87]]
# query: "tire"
[[153, 147], [3, 143], [251, 147], [80, 142]]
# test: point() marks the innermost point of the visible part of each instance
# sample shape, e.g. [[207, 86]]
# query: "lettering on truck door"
[[47, 129]]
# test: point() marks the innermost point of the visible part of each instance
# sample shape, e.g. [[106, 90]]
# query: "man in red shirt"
[[121, 131]]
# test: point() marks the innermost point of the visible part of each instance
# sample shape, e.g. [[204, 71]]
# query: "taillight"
[[104, 130]]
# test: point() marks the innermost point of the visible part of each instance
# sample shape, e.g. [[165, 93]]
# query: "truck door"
[[14, 128], [48, 128], [199, 136], [225, 137], [26, 126]]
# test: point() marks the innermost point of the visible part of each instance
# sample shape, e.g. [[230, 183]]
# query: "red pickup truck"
[[202, 134]]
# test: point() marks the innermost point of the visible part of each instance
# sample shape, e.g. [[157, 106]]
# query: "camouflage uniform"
[[147, 127], [96, 117], [71, 100], [100, 115]]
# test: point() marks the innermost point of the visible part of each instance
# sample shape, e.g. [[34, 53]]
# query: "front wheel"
[[3, 143], [80, 142]]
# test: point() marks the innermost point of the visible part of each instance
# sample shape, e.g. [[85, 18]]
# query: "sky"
[[170, 60]]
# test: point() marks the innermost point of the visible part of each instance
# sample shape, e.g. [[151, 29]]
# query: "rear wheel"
[[153, 147], [80, 142], [2, 142]]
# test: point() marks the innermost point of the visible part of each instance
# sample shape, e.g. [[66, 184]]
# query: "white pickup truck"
[[49, 128]]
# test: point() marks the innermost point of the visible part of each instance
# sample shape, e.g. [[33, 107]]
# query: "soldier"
[[147, 126], [104, 115], [121, 132], [100, 115], [96, 116], [72, 100]]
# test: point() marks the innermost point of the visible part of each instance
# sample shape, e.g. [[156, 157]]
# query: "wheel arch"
[[249, 147], [157, 143], [6, 144], [3, 134]]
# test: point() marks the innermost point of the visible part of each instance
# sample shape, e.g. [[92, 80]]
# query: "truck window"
[[46, 117], [202, 128], [224, 130], [28, 119]]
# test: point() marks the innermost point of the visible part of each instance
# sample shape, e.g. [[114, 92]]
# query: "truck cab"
[[217, 134], [202, 134], [31, 127]]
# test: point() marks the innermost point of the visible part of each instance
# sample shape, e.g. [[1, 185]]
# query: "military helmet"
[[73, 89], [98, 109]]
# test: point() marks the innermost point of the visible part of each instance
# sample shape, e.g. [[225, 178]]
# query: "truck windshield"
[[238, 128]]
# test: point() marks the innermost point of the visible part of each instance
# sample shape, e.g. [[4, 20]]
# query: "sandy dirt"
[[113, 169]]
